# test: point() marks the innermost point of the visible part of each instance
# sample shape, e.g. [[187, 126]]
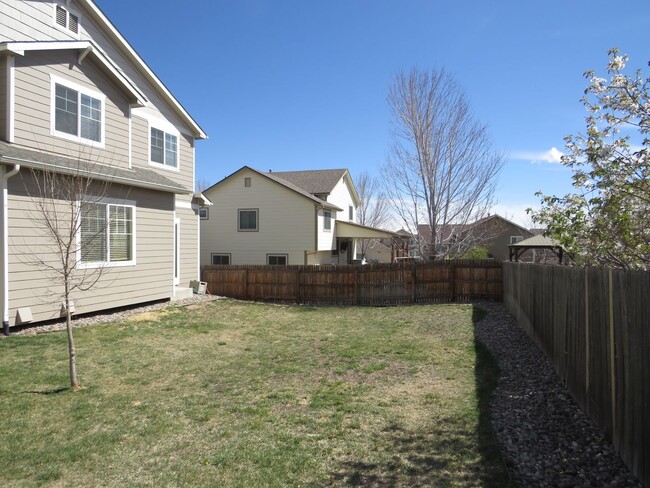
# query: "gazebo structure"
[[535, 242]]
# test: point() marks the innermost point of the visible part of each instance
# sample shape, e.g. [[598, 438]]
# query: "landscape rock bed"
[[110, 316], [544, 437]]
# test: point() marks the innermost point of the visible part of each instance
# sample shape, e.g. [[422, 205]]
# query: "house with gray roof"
[[281, 218], [76, 99]]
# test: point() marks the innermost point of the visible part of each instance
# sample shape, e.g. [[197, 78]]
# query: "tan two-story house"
[[76, 99], [281, 218]]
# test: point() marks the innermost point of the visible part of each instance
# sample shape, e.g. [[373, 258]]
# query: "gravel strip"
[[545, 439], [110, 316]]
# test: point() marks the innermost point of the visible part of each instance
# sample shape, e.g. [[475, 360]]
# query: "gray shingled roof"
[[136, 176], [316, 182]]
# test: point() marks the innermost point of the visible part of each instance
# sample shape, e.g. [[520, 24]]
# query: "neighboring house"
[[296, 217], [75, 96], [493, 232]]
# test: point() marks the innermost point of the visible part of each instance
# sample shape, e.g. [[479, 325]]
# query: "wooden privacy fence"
[[377, 284], [594, 325]]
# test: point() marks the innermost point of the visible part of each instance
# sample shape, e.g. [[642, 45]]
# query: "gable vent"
[[61, 15], [74, 24]]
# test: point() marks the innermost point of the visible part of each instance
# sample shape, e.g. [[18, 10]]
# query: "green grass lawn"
[[239, 394]]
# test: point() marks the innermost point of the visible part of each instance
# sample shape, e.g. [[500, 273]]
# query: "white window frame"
[[81, 90], [207, 213], [109, 263], [350, 213], [327, 218], [212, 255], [66, 29], [257, 219], [166, 131], [276, 255]]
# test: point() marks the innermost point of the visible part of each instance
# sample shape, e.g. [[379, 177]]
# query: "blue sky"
[[301, 84]]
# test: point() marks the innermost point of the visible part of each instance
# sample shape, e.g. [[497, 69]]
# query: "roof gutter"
[[4, 262]]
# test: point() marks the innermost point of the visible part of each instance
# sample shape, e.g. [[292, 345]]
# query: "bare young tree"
[[66, 210], [202, 184], [373, 209], [442, 170]]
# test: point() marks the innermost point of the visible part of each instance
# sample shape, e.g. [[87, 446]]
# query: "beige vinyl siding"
[[140, 140], [33, 106], [286, 221], [150, 279], [3, 98], [189, 257], [29, 21]]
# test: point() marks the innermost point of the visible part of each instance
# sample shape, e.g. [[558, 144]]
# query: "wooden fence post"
[[414, 283], [356, 286], [298, 286], [245, 284], [453, 282], [612, 356], [587, 338]]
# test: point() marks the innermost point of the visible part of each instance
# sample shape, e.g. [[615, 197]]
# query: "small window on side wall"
[[277, 259], [164, 148], [220, 259], [247, 220], [351, 213], [327, 220], [516, 239], [204, 213], [247, 182]]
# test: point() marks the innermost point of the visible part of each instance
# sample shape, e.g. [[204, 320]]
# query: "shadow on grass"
[[49, 392], [440, 457]]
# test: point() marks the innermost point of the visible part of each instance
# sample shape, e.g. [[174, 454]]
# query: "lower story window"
[[277, 259], [106, 233], [220, 259]]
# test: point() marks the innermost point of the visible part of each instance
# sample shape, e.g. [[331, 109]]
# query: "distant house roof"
[[285, 183], [450, 229], [537, 241], [136, 176], [316, 182], [319, 182]]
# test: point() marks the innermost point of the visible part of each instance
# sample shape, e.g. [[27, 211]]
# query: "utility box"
[[199, 287]]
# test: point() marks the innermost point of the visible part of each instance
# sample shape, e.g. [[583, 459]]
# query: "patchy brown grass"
[[240, 394]]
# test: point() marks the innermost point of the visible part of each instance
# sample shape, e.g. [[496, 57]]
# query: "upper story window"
[[77, 113], [516, 239], [247, 220], [164, 148], [350, 213], [107, 235], [327, 220], [66, 19]]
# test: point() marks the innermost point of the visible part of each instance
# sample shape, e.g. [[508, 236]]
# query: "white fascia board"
[[85, 48], [95, 10]]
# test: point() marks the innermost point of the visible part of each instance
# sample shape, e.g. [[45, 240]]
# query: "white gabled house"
[[75, 95], [281, 218]]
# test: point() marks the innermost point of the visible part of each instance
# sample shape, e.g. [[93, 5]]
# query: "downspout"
[[4, 214]]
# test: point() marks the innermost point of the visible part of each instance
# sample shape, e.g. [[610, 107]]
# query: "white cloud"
[[553, 155]]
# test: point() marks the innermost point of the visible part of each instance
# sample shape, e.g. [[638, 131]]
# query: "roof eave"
[[199, 133]]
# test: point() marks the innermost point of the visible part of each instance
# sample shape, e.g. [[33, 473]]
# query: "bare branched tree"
[[442, 170], [66, 211], [202, 184], [373, 209]]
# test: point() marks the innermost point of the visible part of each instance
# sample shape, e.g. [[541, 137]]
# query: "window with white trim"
[[220, 259], [277, 259], [516, 239], [327, 220], [247, 220], [164, 148], [204, 213], [106, 233], [350, 213], [66, 19], [77, 114]]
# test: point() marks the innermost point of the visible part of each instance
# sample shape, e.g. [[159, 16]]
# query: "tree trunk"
[[72, 352]]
